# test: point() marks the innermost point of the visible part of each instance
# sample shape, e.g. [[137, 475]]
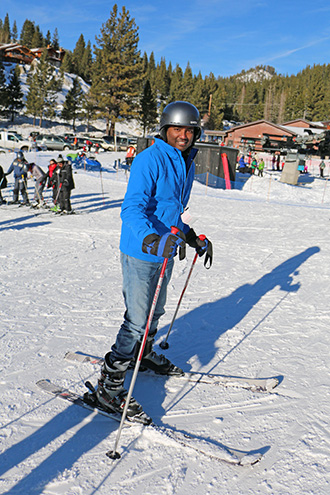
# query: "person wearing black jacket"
[[65, 184], [3, 185]]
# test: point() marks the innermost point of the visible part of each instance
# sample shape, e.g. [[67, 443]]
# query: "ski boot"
[[157, 363], [111, 395]]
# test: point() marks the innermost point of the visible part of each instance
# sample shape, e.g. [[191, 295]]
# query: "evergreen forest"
[[124, 83]]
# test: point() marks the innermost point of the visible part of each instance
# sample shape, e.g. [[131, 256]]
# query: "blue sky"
[[219, 36]]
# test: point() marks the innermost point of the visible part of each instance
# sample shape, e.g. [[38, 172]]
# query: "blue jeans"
[[140, 279]]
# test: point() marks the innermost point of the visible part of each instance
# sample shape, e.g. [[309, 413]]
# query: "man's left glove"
[[202, 246], [166, 245]]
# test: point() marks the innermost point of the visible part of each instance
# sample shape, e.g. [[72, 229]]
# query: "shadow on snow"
[[202, 327]]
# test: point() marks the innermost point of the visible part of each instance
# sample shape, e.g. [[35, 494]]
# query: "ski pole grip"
[[174, 230], [202, 237]]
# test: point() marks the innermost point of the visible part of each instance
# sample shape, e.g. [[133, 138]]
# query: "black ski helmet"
[[180, 113]]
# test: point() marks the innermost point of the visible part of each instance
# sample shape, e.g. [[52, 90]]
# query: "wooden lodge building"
[[20, 54]]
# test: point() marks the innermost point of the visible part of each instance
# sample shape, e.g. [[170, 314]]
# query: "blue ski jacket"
[[157, 194], [19, 169]]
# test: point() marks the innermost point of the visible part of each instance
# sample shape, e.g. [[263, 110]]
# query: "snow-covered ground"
[[261, 310]]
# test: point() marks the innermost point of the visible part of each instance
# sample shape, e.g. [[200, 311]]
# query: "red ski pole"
[[164, 344], [113, 454]]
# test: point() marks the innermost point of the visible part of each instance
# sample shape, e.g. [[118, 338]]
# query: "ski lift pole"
[[164, 344], [113, 454]]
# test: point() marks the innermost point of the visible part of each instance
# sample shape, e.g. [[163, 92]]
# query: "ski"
[[253, 384], [201, 446]]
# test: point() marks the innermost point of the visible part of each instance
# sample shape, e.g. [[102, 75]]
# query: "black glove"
[[166, 245], [202, 246]]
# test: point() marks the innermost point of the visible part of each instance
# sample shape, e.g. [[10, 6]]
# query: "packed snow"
[[262, 310]]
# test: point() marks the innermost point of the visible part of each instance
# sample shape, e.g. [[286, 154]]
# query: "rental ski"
[[207, 448], [254, 384]]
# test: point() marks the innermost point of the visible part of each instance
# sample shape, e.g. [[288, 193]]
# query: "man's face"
[[180, 137]]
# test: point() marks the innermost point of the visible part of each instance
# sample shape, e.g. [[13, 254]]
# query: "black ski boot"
[[111, 394], [156, 362]]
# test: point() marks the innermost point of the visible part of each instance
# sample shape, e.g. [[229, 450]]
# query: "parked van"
[[12, 141]]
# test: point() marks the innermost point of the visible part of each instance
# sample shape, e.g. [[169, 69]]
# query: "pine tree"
[[89, 109], [117, 70], [55, 40], [3, 91], [14, 33], [78, 54], [199, 96], [44, 86], [148, 112], [73, 103], [48, 39], [87, 64], [151, 71], [67, 63], [145, 64], [188, 82], [6, 35], [14, 94], [177, 90], [34, 101], [27, 33], [162, 82], [37, 38]]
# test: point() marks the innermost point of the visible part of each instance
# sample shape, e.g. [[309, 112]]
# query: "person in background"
[[322, 167], [65, 184], [52, 182], [254, 165], [130, 154], [261, 167], [19, 167], [40, 178], [3, 185]]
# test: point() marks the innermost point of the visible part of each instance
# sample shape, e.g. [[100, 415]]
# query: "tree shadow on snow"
[[62, 457]]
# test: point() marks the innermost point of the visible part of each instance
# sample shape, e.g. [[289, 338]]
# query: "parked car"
[[80, 141], [52, 142], [122, 142], [12, 141]]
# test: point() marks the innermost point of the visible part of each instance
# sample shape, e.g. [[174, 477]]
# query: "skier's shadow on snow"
[[197, 332], [92, 202], [201, 328], [21, 223], [64, 455]]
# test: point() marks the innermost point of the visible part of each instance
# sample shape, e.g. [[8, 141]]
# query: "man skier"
[[19, 167], [157, 195]]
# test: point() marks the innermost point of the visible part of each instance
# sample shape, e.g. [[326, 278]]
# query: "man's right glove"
[[202, 246], [166, 245]]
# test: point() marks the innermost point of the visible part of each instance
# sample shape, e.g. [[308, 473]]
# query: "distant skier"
[[261, 167], [19, 167], [40, 178], [3, 185], [64, 184]]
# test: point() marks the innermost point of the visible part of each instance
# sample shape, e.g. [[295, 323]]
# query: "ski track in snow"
[[261, 310]]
